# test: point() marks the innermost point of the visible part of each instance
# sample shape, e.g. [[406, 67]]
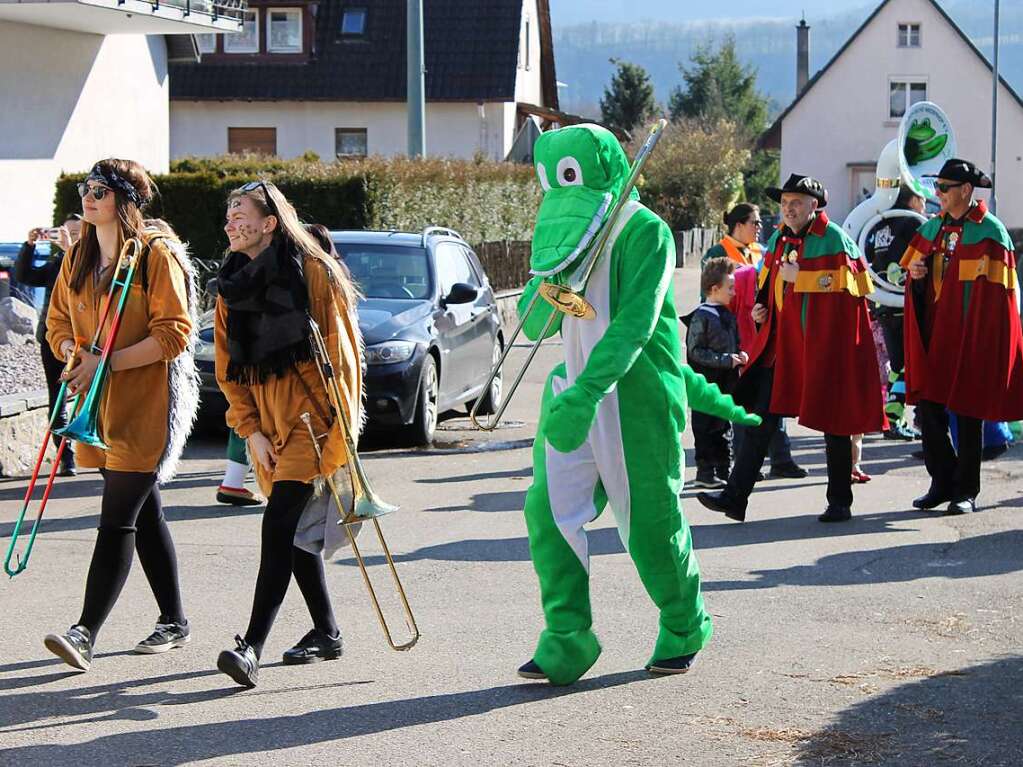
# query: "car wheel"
[[495, 394], [424, 422]]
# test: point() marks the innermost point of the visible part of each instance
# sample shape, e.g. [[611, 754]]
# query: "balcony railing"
[[215, 9]]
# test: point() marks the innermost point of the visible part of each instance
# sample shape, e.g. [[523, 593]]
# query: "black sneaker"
[[787, 471], [241, 663], [531, 671], [67, 464], [705, 478], [166, 636], [74, 647], [679, 665], [721, 472], [314, 647]]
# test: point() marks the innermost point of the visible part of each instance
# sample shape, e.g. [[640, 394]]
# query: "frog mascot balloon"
[[612, 412]]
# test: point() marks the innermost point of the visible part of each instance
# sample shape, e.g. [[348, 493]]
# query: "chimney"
[[802, 55]]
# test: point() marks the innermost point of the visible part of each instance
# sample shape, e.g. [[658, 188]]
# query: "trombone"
[[366, 504], [82, 427], [566, 299]]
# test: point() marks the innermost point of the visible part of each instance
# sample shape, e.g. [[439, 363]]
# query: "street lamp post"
[[416, 89], [994, 117]]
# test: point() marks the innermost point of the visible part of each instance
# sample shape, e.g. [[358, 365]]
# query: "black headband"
[[114, 180]]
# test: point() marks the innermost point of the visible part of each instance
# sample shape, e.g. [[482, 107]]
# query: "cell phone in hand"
[[53, 235]]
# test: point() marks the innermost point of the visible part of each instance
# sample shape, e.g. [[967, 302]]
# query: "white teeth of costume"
[[584, 243]]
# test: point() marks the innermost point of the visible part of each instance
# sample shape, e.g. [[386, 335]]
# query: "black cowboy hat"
[[798, 184], [965, 171]]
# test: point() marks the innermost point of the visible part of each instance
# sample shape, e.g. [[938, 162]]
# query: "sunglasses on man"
[[98, 192], [943, 187]]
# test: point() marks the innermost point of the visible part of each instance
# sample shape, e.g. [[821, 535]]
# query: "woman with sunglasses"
[[148, 403], [274, 280]]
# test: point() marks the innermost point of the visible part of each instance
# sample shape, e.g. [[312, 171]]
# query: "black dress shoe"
[[531, 671], [932, 499], [722, 503], [314, 647], [679, 665], [965, 506], [787, 471], [241, 663], [836, 514]]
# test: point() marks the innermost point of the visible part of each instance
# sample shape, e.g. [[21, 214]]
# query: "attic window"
[[909, 35], [353, 22]]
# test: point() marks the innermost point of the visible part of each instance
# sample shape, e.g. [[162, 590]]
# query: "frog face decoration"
[[582, 170]]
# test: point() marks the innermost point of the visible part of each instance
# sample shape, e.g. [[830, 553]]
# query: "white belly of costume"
[[572, 477]]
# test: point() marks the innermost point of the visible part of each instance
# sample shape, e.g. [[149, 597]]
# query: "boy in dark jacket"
[[712, 348]]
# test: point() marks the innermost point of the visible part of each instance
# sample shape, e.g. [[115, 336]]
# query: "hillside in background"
[[583, 51]]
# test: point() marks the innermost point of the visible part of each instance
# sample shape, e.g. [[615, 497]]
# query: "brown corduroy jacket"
[[275, 407], [133, 410]]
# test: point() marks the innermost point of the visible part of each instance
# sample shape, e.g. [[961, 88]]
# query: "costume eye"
[[541, 173], [569, 172]]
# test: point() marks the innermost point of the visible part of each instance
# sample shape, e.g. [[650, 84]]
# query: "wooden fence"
[[691, 244]]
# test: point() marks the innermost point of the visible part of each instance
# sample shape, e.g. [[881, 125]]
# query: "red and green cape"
[[817, 334], [962, 335]]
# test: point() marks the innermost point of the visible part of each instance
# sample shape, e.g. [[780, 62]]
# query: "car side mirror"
[[461, 293]]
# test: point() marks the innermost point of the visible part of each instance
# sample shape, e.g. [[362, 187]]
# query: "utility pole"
[[994, 118], [416, 89]]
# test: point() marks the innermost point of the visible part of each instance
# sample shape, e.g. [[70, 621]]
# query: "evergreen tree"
[[628, 102], [717, 86]]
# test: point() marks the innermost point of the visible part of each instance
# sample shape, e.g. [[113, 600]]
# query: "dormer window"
[[909, 35], [246, 40], [353, 22], [285, 30]]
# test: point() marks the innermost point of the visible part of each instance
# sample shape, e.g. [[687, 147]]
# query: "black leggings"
[[52, 368], [279, 558], [131, 518]]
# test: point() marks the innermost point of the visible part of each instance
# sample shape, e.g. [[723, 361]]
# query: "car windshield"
[[387, 271]]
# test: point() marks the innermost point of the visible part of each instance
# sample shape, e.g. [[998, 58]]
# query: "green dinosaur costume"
[[613, 412]]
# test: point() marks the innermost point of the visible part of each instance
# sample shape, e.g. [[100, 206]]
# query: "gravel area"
[[21, 369]]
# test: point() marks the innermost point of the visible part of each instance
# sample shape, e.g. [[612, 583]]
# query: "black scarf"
[[267, 313]]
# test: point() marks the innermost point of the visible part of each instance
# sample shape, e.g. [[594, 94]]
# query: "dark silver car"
[[430, 323]]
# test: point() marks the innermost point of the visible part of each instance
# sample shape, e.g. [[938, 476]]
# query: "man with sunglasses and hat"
[[964, 350], [813, 356]]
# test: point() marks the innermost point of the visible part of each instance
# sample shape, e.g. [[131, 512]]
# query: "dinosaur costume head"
[[582, 170]]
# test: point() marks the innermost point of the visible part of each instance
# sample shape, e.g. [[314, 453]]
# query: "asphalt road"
[[893, 639]]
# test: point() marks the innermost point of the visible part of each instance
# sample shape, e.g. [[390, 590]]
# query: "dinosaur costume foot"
[[566, 656]]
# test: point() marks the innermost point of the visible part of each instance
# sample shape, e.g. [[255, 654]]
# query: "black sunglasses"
[[252, 186], [942, 187], [98, 192]]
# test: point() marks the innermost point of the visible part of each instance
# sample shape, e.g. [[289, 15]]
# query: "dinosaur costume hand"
[[569, 419], [540, 313], [706, 397]]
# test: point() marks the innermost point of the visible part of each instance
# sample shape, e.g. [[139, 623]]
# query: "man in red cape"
[[964, 350], [813, 355]]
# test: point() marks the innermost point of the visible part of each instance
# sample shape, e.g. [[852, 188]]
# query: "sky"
[[565, 12]]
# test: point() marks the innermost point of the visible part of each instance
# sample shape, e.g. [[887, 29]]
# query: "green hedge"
[[483, 201]]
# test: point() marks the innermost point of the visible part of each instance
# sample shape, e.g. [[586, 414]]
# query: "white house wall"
[[70, 99], [528, 87], [843, 118], [452, 129]]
